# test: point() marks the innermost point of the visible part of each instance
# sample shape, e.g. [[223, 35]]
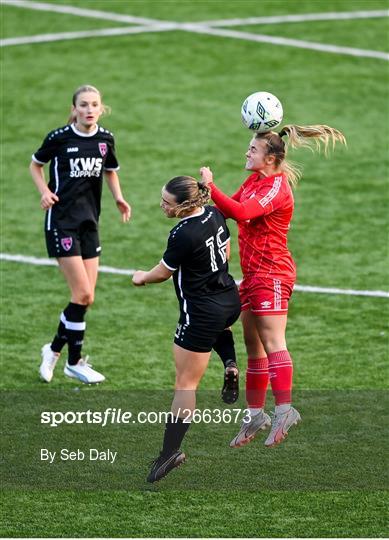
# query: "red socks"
[[278, 367], [257, 379], [281, 375]]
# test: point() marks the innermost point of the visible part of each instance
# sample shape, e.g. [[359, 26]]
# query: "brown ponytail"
[[189, 194]]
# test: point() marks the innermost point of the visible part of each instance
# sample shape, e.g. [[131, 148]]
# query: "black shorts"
[[204, 319], [83, 241]]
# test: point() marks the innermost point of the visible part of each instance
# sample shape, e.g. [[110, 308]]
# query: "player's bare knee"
[[85, 298], [273, 343], [90, 298], [185, 384]]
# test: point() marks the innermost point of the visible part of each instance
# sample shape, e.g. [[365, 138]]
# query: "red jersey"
[[263, 208]]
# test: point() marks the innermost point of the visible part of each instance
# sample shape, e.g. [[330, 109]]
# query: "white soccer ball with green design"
[[262, 112]]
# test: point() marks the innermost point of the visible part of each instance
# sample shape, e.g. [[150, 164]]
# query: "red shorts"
[[265, 296]]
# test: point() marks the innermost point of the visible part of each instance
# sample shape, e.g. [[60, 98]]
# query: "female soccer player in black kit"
[[196, 256], [79, 153]]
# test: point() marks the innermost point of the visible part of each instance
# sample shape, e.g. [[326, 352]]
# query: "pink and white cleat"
[[280, 425]]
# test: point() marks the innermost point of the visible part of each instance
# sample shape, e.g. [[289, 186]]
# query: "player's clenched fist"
[[48, 199], [139, 278], [206, 175]]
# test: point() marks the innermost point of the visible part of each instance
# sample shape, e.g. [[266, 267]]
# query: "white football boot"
[[49, 360], [248, 430], [280, 425], [83, 372]]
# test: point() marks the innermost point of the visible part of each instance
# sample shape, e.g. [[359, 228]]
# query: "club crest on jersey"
[[67, 243], [103, 148]]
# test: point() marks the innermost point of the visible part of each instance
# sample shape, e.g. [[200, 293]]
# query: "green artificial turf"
[[175, 99]]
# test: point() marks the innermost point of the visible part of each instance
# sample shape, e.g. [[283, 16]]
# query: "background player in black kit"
[[196, 257], [79, 153]]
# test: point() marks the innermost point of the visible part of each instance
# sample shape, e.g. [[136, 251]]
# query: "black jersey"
[[77, 162], [196, 253]]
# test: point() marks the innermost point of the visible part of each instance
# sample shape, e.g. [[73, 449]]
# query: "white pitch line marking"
[[201, 28], [276, 19], [275, 40], [79, 12], [82, 34], [303, 17], [26, 259], [259, 38]]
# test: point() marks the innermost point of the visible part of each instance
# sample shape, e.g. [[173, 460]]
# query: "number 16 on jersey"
[[222, 248]]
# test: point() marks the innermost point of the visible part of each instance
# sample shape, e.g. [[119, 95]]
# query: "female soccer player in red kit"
[[263, 207]]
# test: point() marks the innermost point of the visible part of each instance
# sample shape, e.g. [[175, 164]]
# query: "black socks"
[[71, 330], [225, 348], [174, 433]]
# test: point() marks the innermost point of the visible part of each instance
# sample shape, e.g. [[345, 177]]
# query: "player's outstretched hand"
[[124, 209], [138, 279], [48, 199], [206, 175]]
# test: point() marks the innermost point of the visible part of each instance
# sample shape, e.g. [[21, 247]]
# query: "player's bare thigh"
[[263, 334], [81, 277], [271, 330], [253, 343]]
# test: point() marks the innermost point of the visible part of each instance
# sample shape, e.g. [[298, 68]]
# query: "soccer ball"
[[261, 112]]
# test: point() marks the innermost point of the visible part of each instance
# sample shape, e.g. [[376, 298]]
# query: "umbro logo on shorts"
[[266, 304]]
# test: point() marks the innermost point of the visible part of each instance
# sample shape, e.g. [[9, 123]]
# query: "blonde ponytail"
[[321, 135], [299, 136]]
